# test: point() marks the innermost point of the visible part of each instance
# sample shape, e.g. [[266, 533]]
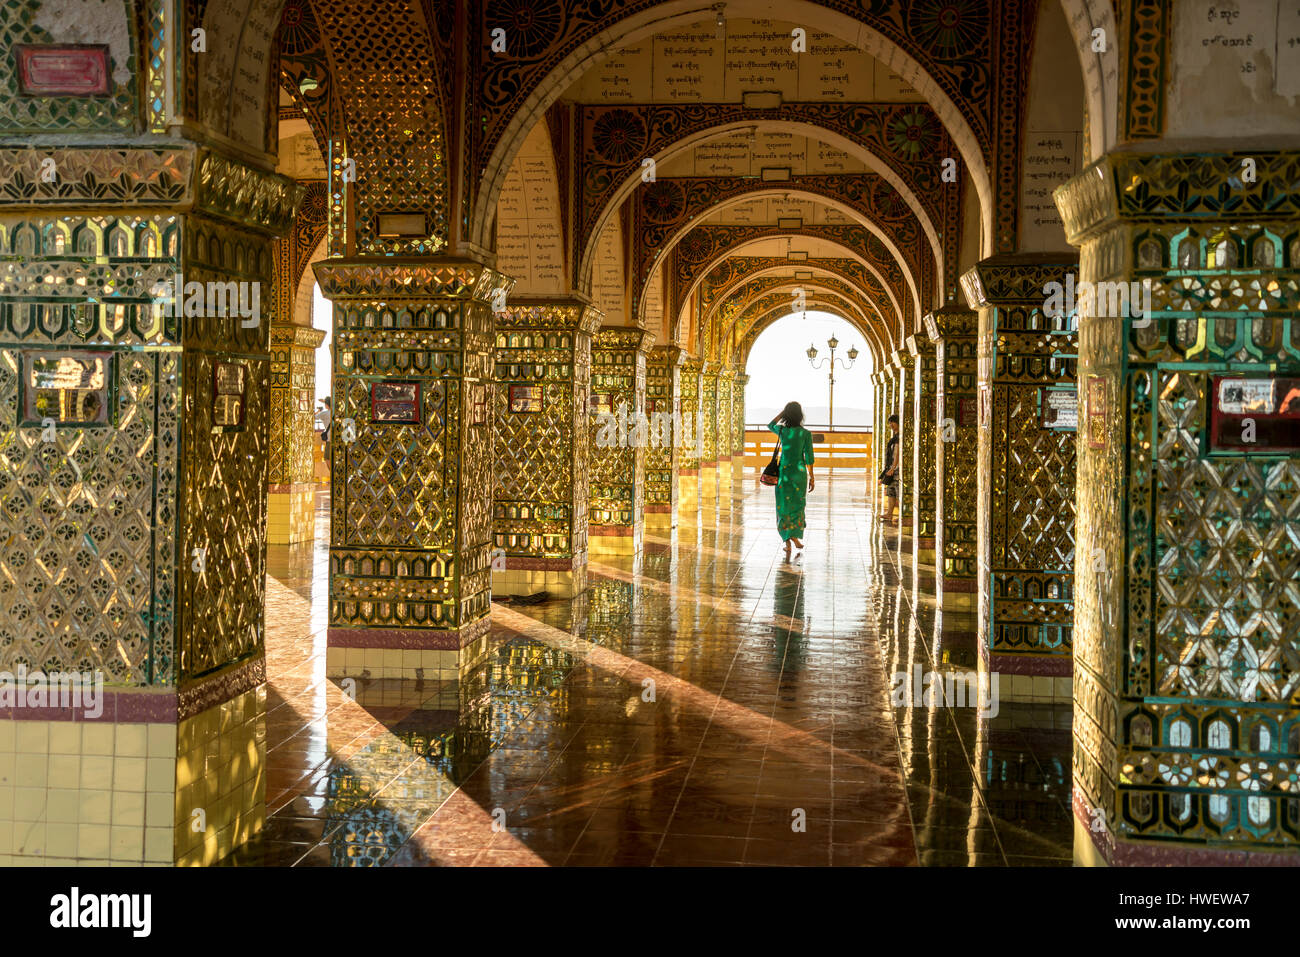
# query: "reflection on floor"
[[707, 702]]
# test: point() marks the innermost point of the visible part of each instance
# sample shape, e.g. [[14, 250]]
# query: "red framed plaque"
[[1254, 413], [74, 69]]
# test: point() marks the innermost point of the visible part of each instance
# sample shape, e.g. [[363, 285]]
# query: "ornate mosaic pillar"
[[709, 432], [923, 477], [738, 463], [726, 385], [134, 370], [541, 446], [664, 409], [886, 409], [1025, 489], [692, 446], [876, 441], [291, 489], [411, 470], [1187, 661], [953, 331], [618, 392], [902, 407]]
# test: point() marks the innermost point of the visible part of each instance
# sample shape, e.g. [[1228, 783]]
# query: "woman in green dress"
[[795, 481]]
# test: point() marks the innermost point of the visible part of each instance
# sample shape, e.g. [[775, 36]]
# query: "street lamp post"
[[813, 361]]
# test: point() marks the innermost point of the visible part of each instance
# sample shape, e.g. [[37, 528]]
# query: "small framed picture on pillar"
[[395, 403], [1254, 414], [70, 388], [229, 390], [525, 397]]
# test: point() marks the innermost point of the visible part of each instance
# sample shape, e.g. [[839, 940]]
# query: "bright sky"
[[778, 367], [322, 318], [779, 371]]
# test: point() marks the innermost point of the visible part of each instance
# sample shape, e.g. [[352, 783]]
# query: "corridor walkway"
[[705, 703]]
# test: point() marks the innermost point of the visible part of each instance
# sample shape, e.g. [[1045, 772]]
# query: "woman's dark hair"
[[894, 419], [792, 415]]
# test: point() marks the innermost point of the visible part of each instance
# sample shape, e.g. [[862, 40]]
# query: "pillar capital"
[[568, 314], [1015, 279], [1133, 188], [918, 346], [178, 178], [392, 278], [951, 322], [295, 335], [673, 356]]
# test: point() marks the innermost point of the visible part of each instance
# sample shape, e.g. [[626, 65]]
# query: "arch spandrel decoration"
[[665, 208], [305, 70], [388, 72], [907, 138], [706, 244]]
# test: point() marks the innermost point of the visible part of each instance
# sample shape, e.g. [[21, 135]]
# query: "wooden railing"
[[841, 449]]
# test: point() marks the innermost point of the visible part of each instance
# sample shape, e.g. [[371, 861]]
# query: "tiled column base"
[[660, 516], [290, 513], [87, 792], [614, 539], [559, 577], [957, 594], [413, 654], [128, 784], [688, 494], [708, 483], [725, 483], [221, 778]]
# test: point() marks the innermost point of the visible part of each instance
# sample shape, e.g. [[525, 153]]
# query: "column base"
[[413, 654], [614, 539], [1035, 679], [688, 493], [708, 482], [660, 517], [188, 767], [221, 774], [558, 577], [290, 513], [956, 594]]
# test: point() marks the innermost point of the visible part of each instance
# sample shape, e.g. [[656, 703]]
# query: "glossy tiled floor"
[[707, 702]]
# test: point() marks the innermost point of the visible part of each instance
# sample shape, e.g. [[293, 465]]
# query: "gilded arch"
[[901, 144], [928, 50], [704, 246], [666, 213]]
